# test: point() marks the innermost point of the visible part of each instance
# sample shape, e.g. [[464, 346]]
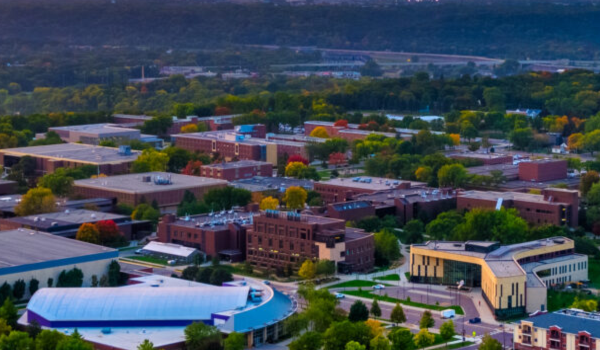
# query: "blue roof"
[[567, 322], [274, 310], [246, 128]]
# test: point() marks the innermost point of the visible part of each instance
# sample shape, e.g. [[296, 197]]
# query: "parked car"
[[448, 313], [138, 251], [379, 286], [339, 296], [475, 320]]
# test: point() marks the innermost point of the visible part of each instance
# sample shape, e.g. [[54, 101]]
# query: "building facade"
[[345, 189], [513, 279], [231, 171], [543, 170], [278, 239]]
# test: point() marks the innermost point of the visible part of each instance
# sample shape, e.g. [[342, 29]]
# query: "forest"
[[498, 29]]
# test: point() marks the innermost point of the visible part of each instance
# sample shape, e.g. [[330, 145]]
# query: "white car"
[[379, 286], [339, 296]]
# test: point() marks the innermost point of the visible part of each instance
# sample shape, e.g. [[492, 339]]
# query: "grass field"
[[150, 259], [392, 277], [355, 284], [367, 294]]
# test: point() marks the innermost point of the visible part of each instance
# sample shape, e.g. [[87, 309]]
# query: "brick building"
[[93, 134], [231, 145], [253, 130], [554, 206], [129, 120], [231, 171], [220, 122], [166, 188], [569, 329], [48, 158], [543, 170], [66, 223], [485, 158], [278, 239], [345, 189], [218, 235]]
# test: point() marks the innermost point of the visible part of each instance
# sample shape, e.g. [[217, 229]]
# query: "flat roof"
[[232, 136], [169, 248], [508, 169], [353, 233], [67, 217], [78, 152], [265, 183], [514, 196], [214, 221], [27, 247], [96, 128], [480, 155], [133, 183], [238, 164], [133, 116], [375, 184]]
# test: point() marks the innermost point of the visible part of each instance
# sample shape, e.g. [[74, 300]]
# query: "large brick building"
[[278, 239], [231, 171], [218, 235], [130, 120], [234, 146], [554, 206], [569, 329], [543, 170], [166, 188], [345, 189], [48, 158]]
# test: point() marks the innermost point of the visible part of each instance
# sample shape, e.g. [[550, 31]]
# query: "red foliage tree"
[[341, 122], [108, 230], [337, 158], [222, 110], [192, 168], [297, 158]]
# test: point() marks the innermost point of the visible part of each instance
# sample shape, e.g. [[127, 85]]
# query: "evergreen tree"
[[375, 309], [398, 315], [358, 312]]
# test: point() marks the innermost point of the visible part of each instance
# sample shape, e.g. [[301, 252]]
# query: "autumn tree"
[[297, 158], [36, 201], [192, 168], [319, 132], [190, 128], [295, 197], [308, 270], [269, 203], [88, 232], [337, 159], [293, 169], [587, 181], [109, 233]]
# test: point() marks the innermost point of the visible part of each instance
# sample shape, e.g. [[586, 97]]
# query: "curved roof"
[[146, 303]]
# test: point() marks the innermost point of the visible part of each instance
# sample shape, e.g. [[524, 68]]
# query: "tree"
[[146, 212], [379, 343], [375, 309], [9, 312], [109, 233], [16, 341], [19, 289], [269, 203], [521, 137], [114, 274], [386, 247], [50, 282], [424, 339], [427, 320], [235, 341], [94, 283], [371, 69], [453, 175], [150, 160], [325, 267], [220, 276], [199, 336], [591, 141], [296, 158], [358, 312], [353, 345], [58, 182], [186, 129], [192, 168], [36, 201], [293, 169], [447, 331], [307, 341], [5, 329], [295, 197], [48, 339], [414, 230], [319, 132], [402, 339], [489, 343], [71, 278], [5, 292], [397, 315], [33, 329], [74, 342], [146, 345], [34, 285], [589, 305], [587, 181], [494, 99], [157, 125], [337, 158], [88, 232], [308, 270], [442, 226], [341, 333]]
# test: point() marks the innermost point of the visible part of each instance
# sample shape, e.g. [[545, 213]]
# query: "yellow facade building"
[[513, 278]]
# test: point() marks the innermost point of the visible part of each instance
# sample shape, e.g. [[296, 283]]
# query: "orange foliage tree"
[[337, 158], [192, 168]]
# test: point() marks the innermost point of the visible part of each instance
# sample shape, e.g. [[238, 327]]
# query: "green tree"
[[74, 342], [307, 341], [341, 333], [9, 312], [235, 341], [427, 320], [146, 345], [494, 99], [402, 339], [447, 331], [5, 329], [453, 175], [587, 181], [489, 343], [36, 201], [308, 270], [398, 315], [19, 289], [521, 138], [325, 268], [442, 226], [413, 230], [5, 292], [150, 160], [145, 211], [48, 339], [58, 182], [424, 339], [220, 276], [114, 274], [375, 309], [379, 343], [199, 336], [503, 225], [358, 312], [157, 125], [16, 341], [353, 345], [34, 285], [387, 248], [591, 141]]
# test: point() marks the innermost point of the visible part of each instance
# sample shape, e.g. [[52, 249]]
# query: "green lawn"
[[560, 300], [594, 272], [392, 277], [367, 294], [355, 284], [149, 259]]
